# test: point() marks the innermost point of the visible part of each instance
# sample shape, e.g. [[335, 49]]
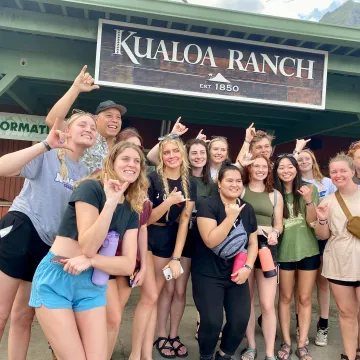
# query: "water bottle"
[[266, 260], [240, 260], [108, 248]]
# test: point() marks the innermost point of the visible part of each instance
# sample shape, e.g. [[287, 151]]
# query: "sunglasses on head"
[[217, 137], [169, 136], [354, 143], [281, 156], [81, 112]]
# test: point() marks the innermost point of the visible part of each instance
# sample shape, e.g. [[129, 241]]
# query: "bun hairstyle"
[[184, 167], [297, 183], [345, 158], [64, 173], [206, 170], [226, 166], [268, 181], [136, 193]]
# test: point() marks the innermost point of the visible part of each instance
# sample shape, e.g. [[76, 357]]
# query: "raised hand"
[[245, 159], [176, 197], [233, 210], [114, 191], [58, 139], [84, 82], [300, 144], [306, 192], [202, 136], [322, 211], [250, 132], [178, 128]]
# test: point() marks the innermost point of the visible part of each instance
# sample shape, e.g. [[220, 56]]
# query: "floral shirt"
[[94, 156]]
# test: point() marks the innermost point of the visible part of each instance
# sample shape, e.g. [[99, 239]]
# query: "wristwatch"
[[175, 258], [295, 152], [248, 267], [276, 231]]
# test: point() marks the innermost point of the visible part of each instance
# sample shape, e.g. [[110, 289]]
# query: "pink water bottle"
[[108, 248], [240, 260]]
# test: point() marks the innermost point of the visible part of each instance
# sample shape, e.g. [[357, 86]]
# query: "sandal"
[[249, 354], [164, 347], [177, 349], [305, 355], [286, 349]]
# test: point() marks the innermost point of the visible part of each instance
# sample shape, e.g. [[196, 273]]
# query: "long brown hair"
[[136, 193], [268, 181], [206, 169], [184, 167]]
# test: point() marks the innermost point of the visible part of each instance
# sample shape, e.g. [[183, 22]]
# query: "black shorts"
[[307, 264], [322, 244], [21, 250], [273, 249], [355, 284], [162, 239]]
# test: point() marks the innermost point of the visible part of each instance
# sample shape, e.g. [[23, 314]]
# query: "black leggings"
[[211, 296]]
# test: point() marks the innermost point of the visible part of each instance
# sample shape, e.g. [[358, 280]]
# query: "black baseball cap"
[[108, 104]]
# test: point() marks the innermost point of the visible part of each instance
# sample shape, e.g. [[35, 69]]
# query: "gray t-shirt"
[[45, 194]]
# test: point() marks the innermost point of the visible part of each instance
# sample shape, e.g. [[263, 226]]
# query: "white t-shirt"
[[325, 188]]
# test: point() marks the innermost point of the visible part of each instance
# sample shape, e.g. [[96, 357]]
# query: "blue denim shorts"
[[54, 288]]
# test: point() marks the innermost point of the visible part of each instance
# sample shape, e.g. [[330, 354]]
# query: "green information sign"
[[22, 127]]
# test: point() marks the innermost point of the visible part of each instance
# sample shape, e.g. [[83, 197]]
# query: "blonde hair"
[[64, 172], [219, 138], [318, 176], [345, 158], [184, 167], [136, 193]]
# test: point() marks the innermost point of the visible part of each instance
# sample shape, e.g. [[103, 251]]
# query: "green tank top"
[[262, 205]]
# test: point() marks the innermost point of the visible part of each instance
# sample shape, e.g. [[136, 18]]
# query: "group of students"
[[192, 215]]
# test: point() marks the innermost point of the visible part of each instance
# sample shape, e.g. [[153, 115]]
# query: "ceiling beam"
[[319, 126], [225, 19], [47, 24], [6, 82]]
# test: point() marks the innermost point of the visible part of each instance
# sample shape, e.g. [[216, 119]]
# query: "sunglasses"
[[217, 137], [81, 112], [281, 156], [169, 136], [354, 143]]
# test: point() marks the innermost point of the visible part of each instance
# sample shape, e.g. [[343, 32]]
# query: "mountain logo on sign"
[[218, 78]]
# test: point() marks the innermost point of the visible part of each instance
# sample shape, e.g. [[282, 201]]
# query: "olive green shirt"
[[298, 240]]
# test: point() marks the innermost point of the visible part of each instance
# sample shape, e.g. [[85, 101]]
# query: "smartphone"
[[168, 273], [57, 260]]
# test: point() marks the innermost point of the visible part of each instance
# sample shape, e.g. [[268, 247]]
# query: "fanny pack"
[[353, 225], [235, 242]]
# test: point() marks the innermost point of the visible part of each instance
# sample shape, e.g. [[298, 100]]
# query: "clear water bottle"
[[108, 248]]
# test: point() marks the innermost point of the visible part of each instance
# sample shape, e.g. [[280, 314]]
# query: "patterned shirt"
[[93, 157]]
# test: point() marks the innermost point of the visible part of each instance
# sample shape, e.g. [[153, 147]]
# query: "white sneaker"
[[298, 337], [321, 338]]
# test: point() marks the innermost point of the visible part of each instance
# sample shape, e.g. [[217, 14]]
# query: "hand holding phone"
[[168, 273], [57, 260]]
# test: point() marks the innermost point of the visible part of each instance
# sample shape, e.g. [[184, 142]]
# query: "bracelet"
[[175, 258], [323, 222], [47, 146], [295, 152], [247, 141], [248, 267], [277, 232], [309, 204]]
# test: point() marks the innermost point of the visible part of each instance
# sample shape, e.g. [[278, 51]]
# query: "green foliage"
[[347, 14]]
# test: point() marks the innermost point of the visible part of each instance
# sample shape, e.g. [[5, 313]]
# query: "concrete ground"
[[39, 351]]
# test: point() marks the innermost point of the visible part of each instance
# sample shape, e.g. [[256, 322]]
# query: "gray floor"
[[39, 351]]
